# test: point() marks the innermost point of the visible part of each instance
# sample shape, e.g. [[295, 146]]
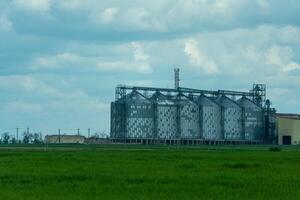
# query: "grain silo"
[[118, 119], [210, 118], [231, 118], [139, 116], [165, 116], [252, 119], [188, 115]]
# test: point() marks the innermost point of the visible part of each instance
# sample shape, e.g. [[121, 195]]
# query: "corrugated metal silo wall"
[[189, 120], [253, 121], [231, 119], [118, 120], [166, 121], [112, 120], [210, 118], [211, 122], [139, 119]]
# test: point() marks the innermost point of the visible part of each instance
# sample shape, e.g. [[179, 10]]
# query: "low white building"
[[70, 139]]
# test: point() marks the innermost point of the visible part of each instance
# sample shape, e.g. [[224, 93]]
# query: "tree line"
[[26, 138], [37, 138]]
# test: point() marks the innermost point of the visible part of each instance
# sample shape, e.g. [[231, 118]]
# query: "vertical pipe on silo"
[[243, 124]]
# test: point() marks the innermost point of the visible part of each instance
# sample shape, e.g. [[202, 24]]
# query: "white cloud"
[[194, 14], [18, 107], [93, 105], [281, 57], [130, 19], [140, 57], [73, 4], [140, 19], [57, 61], [277, 55], [199, 59], [291, 67], [138, 63], [289, 34], [6, 24], [222, 6], [263, 4], [124, 65], [33, 5], [108, 15], [29, 85], [134, 59], [17, 83]]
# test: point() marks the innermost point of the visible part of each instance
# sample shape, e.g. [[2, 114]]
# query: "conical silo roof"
[[159, 98], [206, 101], [136, 97], [183, 99], [247, 103], [226, 102]]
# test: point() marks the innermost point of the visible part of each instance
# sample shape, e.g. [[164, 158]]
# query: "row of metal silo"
[[184, 117]]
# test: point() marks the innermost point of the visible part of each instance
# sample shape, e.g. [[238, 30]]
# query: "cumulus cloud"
[[73, 4], [28, 84], [57, 61], [6, 25], [289, 34], [158, 16], [264, 4], [108, 15], [33, 5], [203, 14], [138, 63], [139, 19], [128, 20], [22, 107], [199, 59], [70, 62], [43, 101], [281, 57]]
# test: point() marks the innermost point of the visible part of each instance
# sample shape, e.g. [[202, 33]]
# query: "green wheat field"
[[148, 172]]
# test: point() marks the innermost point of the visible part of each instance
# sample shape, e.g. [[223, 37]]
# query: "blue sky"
[[60, 60]]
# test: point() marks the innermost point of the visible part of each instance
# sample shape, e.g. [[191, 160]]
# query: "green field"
[[148, 172]]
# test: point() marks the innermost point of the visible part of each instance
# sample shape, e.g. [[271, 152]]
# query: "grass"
[[148, 172]]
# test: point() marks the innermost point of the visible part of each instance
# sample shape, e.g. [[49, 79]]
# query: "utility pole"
[[89, 132], [17, 134], [59, 135]]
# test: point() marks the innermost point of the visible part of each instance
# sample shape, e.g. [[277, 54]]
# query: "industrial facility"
[[192, 116]]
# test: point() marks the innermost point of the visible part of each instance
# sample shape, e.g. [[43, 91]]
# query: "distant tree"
[[5, 137], [100, 134], [37, 138], [103, 134], [14, 140], [95, 135], [27, 137]]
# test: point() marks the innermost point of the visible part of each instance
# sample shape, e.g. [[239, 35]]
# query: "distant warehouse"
[[288, 128], [70, 139]]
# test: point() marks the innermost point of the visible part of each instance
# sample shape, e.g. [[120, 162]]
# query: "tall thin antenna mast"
[[176, 71]]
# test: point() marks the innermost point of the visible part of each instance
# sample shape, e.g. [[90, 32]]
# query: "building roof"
[[66, 136], [288, 115]]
